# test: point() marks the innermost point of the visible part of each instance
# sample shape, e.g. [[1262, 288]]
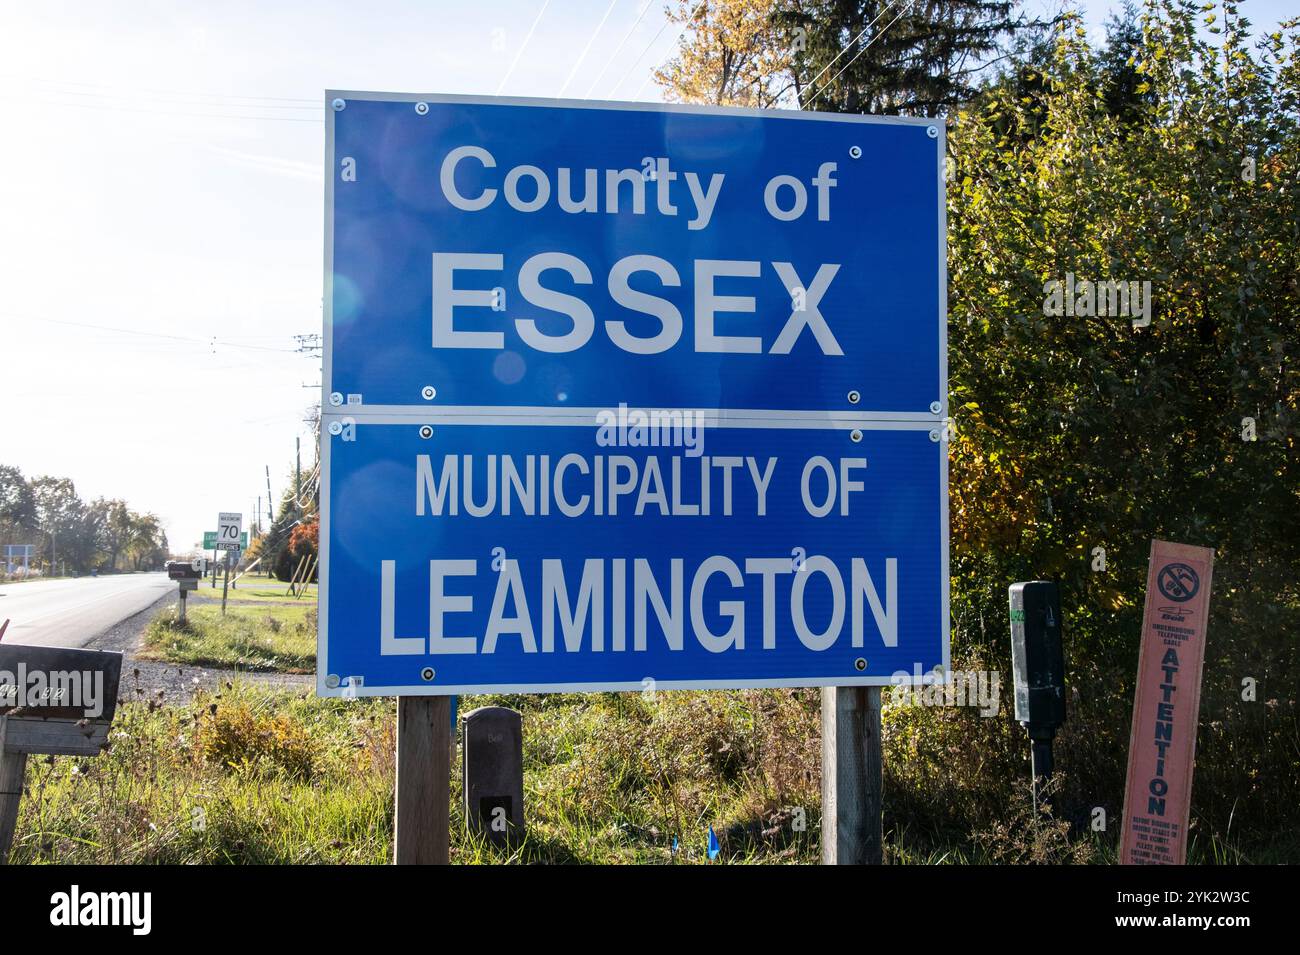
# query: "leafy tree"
[[17, 510], [147, 545], [59, 514], [732, 52], [873, 56], [17, 507], [1085, 432], [918, 58], [116, 528]]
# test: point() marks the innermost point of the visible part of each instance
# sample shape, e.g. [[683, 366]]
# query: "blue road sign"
[[465, 556], [542, 254]]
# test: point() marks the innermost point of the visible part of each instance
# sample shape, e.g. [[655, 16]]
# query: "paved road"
[[69, 613]]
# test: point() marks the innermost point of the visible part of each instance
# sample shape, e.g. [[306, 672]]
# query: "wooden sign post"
[[852, 827], [1166, 705], [422, 815], [52, 700], [13, 769]]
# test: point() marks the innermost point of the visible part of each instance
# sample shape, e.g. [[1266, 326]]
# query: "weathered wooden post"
[[493, 774], [422, 815], [13, 768], [68, 711], [852, 827]]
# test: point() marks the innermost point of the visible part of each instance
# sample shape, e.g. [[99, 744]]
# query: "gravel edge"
[[170, 682]]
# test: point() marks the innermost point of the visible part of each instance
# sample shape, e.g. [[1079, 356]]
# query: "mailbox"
[[186, 569], [1037, 658], [53, 701]]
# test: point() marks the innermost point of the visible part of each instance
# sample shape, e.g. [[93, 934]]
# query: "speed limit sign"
[[229, 528]]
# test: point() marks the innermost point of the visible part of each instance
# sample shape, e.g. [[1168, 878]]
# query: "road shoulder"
[[169, 682]]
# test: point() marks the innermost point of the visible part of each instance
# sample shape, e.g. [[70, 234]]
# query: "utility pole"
[[270, 510], [297, 475]]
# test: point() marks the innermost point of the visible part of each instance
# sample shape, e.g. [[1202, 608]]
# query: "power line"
[[211, 342], [520, 52], [852, 42], [653, 40], [673, 45], [644, 10], [861, 51], [587, 49]]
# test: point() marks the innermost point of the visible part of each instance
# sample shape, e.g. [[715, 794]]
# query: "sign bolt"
[[860, 664], [427, 674], [854, 397], [934, 435], [428, 392], [426, 431], [855, 152], [856, 435], [338, 105], [935, 407], [932, 132], [336, 398], [421, 108], [336, 427]]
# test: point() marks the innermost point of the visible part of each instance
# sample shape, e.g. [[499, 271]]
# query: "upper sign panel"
[[555, 254]]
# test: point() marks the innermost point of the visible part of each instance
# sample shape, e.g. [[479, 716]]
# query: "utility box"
[[493, 768], [1037, 657]]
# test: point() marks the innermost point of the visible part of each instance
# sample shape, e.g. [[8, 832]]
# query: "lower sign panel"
[[464, 558]]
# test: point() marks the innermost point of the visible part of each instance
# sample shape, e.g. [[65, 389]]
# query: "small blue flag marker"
[[714, 848]]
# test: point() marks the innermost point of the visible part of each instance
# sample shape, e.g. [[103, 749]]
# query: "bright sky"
[[161, 213]]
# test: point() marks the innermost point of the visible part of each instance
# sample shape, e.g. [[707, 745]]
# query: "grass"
[[259, 638], [256, 588], [260, 775], [254, 774], [246, 775]]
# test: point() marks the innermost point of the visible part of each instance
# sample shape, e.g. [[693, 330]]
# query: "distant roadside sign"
[[210, 540], [15, 552], [229, 530]]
